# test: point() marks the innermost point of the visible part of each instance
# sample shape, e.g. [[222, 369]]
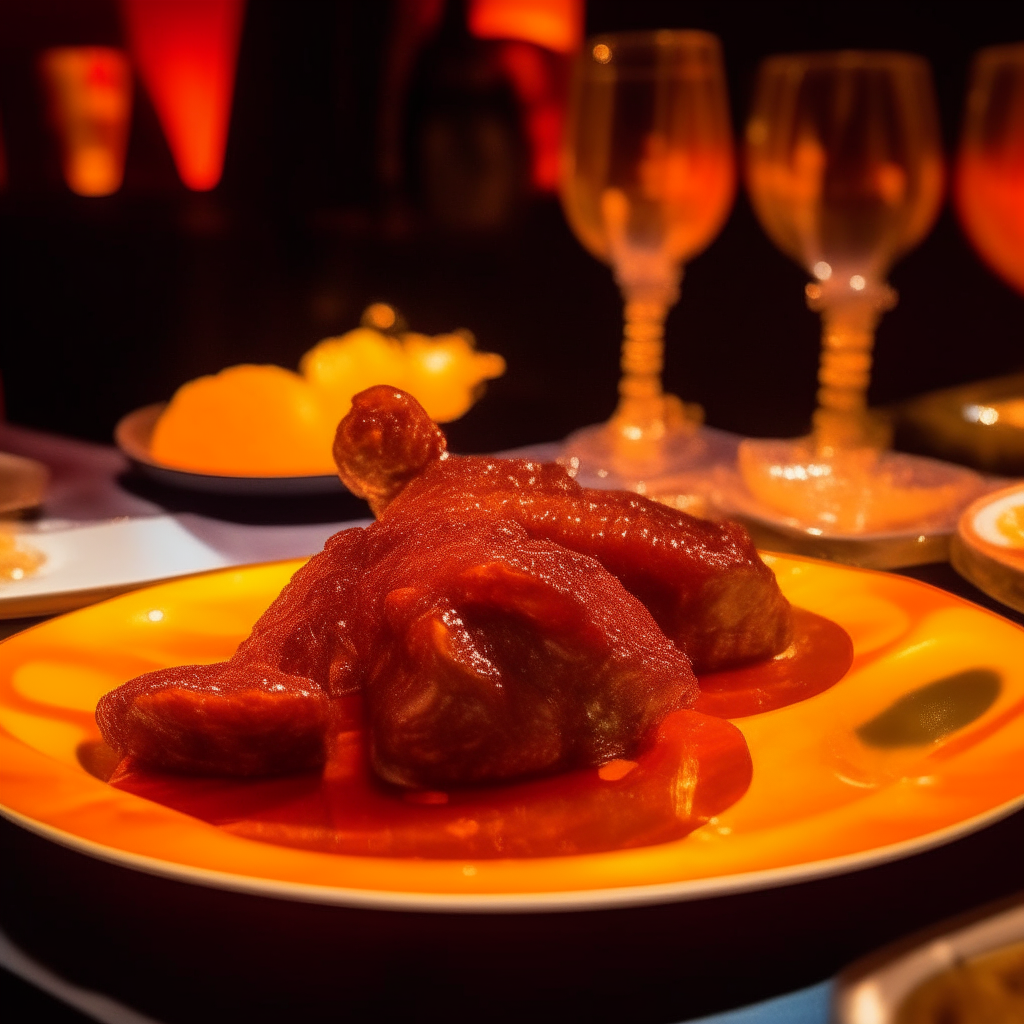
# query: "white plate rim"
[[622, 897], [64, 597]]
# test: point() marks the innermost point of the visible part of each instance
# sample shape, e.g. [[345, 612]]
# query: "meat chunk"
[[267, 710], [510, 658], [498, 620], [229, 719]]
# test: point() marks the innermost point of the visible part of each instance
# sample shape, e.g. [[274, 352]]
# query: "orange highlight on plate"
[[186, 52], [89, 94]]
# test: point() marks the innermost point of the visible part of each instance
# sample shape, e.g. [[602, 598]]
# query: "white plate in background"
[[88, 562]]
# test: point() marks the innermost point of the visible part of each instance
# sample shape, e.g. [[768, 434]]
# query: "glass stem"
[[641, 413], [842, 419]]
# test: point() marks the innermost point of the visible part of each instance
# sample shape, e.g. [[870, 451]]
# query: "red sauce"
[[697, 766], [819, 656]]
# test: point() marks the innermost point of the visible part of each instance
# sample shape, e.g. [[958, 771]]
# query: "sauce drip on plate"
[[819, 656], [696, 766]]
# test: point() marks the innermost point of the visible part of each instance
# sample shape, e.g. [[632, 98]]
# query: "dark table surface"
[[180, 952]]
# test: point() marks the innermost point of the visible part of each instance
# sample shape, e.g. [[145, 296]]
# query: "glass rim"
[[844, 60], [1004, 53], [684, 40]]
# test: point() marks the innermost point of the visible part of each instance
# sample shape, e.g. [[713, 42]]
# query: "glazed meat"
[[480, 654], [501, 657], [497, 622], [267, 711], [702, 581]]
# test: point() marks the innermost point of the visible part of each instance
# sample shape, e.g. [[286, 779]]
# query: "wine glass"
[[988, 193], [989, 183], [89, 89], [648, 179], [845, 172]]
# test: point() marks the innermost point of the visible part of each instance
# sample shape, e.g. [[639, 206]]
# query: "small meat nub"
[[384, 441]]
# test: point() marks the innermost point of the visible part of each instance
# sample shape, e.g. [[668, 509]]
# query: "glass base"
[[854, 491], [979, 424], [670, 468], [861, 507]]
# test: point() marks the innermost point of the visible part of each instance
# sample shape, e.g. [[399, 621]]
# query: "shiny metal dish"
[[874, 990]]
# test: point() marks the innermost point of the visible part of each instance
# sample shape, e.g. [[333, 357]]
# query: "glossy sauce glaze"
[[818, 657], [696, 766]]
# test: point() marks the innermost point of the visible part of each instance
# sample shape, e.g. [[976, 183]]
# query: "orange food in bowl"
[[267, 421], [246, 421], [444, 373]]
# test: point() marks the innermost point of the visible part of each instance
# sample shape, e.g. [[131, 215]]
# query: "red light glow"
[[539, 79], [556, 25], [186, 52], [539, 36]]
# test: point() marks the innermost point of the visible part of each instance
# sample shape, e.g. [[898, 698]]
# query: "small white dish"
[[88, 562]]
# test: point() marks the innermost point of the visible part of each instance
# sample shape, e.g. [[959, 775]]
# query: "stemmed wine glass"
[[845, 171], [648, 179], [989, 183]]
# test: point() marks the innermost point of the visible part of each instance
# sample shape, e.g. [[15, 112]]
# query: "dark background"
[[108, 304]]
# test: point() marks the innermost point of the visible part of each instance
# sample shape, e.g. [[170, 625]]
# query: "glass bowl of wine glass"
[[648, 180], [845, 172], [989, 183]]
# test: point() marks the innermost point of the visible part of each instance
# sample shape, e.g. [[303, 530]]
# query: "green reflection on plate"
[[930, 712]]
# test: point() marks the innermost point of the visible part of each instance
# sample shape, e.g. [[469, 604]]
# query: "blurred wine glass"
[[845, 171], [648, 179], [989, 182], [89, 89]]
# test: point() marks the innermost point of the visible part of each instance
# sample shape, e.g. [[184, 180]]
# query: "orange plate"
[[823, 801]]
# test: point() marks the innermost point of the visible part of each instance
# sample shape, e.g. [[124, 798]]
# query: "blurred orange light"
[[988, 188], [186, 52], [89, 93], [556, 25], [540, 87]]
